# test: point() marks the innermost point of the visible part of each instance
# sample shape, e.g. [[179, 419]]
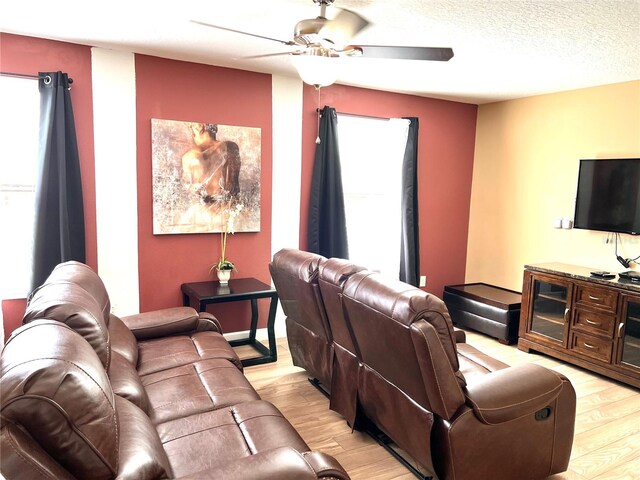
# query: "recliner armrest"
[[170, 321], [512, 392], [283, 463], [460, 336]]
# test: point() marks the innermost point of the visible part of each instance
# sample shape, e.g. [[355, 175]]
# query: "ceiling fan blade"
[[242, 33], [344, 27], [267, 55], [406, 53]]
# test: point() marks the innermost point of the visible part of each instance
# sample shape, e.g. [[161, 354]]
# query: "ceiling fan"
[[321, 37]]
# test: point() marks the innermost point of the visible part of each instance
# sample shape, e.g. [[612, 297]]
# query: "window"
[[19, 119], [371, 155]]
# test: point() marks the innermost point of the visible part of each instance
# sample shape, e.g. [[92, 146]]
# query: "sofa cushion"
[[126, 382], [196, 388], [221, 436], [122, 340], [169, 352], [55, 388], [141, 454], [474, 363], [282, 463], [72, 305]]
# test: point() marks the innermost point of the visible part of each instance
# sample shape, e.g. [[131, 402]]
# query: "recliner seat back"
[[333, 273], [406, 336], [83, 276], [295, 275], [74, 306], [407, 348]]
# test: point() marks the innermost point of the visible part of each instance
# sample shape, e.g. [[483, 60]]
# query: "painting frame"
[[200, 172]]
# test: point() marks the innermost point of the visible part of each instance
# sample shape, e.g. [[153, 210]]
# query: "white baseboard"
[[261, 334]]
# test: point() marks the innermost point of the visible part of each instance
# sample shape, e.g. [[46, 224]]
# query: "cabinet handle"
[[588, 346], [591, 322], [595, 299], [620, 327], [566, 311]]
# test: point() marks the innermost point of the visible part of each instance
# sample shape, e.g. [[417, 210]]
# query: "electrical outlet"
[[423, 280]]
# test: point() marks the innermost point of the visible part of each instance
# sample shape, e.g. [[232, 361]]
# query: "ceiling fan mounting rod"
[[323, 6]]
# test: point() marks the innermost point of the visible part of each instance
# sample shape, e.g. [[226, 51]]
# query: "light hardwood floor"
[[606, 444]]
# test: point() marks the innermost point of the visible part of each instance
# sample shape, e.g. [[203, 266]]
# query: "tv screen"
[[608, 197]]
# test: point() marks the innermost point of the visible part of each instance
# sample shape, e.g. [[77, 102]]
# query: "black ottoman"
[[485, 308]]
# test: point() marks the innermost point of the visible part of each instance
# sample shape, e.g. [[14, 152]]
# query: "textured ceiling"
[[503, 49]]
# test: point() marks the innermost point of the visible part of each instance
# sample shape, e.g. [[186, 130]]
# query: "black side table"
[[205, 293]]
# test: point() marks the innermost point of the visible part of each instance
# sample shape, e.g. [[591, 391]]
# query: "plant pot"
[[223, 276]]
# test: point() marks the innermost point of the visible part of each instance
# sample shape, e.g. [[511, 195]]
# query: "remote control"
[[603, 274], [630, 275]]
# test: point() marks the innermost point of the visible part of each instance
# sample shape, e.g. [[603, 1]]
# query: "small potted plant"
[[224, 269]]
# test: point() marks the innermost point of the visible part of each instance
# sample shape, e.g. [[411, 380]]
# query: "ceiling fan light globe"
[[317, 66]]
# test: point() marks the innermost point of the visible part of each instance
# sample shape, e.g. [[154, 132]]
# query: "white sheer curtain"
[[19, 126], [371, 154]]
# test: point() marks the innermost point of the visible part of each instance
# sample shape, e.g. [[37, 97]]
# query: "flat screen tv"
[[608, 197]]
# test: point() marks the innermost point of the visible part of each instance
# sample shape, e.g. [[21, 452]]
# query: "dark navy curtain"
[[410, 246], [59, 223], [327, 232]]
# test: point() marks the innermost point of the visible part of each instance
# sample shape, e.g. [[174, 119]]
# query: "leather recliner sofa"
[[484, 419], [85, 396], [461, 414]]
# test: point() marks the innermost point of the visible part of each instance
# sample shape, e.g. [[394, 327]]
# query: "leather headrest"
[[295, 275], [333, 273], [404, 304], [72, 305], [55, 388], [337, 270], [298, 263], [85, 277]]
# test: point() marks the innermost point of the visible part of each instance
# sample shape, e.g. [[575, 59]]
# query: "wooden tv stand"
[[591, 322]]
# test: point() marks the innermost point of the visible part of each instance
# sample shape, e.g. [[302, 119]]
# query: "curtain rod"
[[319, 110], [35, 77]]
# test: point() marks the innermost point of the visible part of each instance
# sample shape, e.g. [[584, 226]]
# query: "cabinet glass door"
[[549, 309], [631, 339]]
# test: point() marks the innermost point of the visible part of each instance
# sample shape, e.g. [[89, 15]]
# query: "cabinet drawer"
[[592, 322], [591, 346], [597, 297]]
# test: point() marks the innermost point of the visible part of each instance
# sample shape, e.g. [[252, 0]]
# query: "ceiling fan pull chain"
[[318, 113]]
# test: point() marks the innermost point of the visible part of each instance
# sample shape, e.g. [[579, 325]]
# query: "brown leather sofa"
[[152, 396], [459, 413]]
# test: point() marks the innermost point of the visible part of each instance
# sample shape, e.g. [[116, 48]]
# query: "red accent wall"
[[32, 55], [185, 91], [175, 90], [445, 166], [12, 313]]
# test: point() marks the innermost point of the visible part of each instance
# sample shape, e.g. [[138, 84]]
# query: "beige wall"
[[525, 175]]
